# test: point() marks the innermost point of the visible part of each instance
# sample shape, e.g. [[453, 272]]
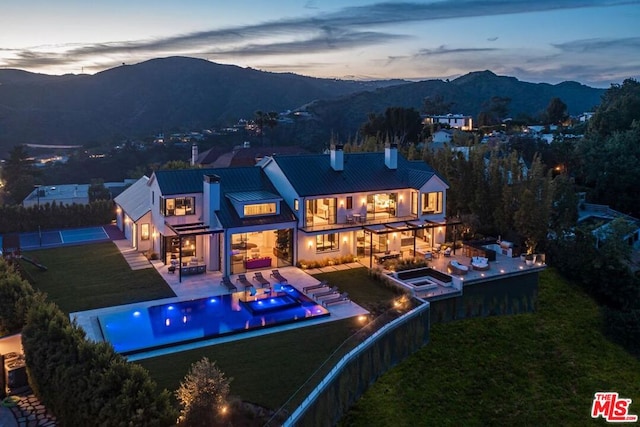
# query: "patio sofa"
[[480, 263], [455, 267]]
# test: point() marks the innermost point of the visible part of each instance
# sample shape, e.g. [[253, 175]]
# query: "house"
[[68, 194], [287, 209], [458, 121], [442, 136]]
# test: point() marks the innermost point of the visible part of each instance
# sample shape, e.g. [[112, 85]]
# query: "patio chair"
[[343, 297], [332, 291], [244, 281], [227, 283], [280, 278], [260, 279], [322, 284]]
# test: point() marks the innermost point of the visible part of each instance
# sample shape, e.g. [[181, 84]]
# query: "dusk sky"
[[592, 42]]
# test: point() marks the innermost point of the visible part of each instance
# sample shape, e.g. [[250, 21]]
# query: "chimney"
[[194, 154], [337, 157], [391, 155], [211, 198]]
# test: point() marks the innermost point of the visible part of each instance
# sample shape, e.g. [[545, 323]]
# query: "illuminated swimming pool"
[[136, 330]]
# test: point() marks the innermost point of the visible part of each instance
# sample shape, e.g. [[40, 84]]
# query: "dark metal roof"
[[312, 175], [253, 196], [232, 180]]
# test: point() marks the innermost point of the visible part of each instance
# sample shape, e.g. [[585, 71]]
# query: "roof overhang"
[[193, 229]]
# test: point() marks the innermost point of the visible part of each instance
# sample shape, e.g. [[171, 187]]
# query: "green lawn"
[[532, 369], [93, 276]]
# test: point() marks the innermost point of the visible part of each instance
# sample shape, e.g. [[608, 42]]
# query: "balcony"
[[356, 223]]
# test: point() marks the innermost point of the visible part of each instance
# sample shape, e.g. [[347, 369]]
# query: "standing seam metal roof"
[[312, 175]]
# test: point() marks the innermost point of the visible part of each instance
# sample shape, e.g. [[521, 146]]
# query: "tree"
[[436, 105], [97, 191], [18, 174], [400, 124], [263, 119], [203, 394], [494, 111], [556, 111], [619, 108]]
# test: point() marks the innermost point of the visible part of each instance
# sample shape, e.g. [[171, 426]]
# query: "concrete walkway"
[[135, 259]]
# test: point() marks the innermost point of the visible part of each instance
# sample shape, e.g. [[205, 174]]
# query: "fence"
[[359, 368]]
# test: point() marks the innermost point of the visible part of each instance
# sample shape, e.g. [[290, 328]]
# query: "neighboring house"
[[68, 194], [586, 116], [288, 208], [442, 136], [458, 121]]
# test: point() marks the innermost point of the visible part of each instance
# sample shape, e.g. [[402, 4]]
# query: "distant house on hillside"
[[68, 194], [458, 121], [442, 136]]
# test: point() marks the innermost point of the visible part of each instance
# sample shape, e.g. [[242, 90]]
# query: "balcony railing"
[[355, 224]]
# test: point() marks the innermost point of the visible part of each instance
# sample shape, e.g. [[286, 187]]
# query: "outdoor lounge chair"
[[260, 279], [343, 297], [280, 278], [332, 291], [227, 283], [322, 284], [243, 281]]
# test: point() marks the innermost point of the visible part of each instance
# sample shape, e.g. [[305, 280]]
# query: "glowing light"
[[363, 319], [502, 271], [184, 319], [167, 322], [212, 300], [170, 307], [136, 313]]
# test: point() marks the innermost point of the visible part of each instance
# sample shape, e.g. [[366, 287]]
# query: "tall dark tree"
[[265, 119], [400, 124], [435, 105], [556, 111], [18, 174], [495, 110], [620, 107]]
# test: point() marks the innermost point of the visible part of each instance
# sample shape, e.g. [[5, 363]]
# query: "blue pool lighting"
[[136, 330]]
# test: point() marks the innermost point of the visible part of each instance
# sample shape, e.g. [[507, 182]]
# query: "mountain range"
[[180, 94]]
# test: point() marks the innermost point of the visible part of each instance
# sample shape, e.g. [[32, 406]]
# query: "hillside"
[[166, 94], [468, 93], [179, 94]]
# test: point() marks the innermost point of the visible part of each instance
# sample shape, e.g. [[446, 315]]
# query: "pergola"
[[189, 230], [412, 226]]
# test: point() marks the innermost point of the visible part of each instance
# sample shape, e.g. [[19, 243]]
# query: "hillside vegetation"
[[530, 369]]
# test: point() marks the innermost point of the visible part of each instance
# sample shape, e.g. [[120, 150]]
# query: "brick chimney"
[[337, 157]]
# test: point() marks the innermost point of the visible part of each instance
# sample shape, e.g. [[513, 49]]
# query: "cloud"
[[597, 45], [443, 50], [343, 30]]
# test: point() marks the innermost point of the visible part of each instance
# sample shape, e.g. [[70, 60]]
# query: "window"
[[296, 204], [432, 203], [327, 242], [144, 232], [260, 209], [179, 206], [153, 197], [349, 202]]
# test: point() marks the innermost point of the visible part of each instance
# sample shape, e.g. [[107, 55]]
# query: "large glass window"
[[179, 206], [260, 209], [327, 242], [320, 211], [381, 205], [432, 203]]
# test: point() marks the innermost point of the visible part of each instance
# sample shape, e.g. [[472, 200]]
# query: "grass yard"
[[92, 276], [541, 368], [362, 288], [266, 370]]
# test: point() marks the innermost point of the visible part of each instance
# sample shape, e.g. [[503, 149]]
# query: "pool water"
[[146, 328]]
